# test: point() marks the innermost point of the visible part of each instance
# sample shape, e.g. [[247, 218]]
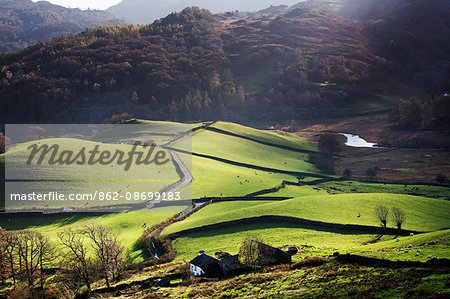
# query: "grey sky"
[[214, 5]]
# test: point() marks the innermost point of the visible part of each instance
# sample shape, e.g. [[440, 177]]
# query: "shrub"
[[309, 262]]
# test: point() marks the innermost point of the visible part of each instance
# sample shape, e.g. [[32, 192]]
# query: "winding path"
[[186, 177]]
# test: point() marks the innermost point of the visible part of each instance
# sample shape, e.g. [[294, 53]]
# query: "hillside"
[[23, 22], [424, 214], [301, 63], [244, 182]]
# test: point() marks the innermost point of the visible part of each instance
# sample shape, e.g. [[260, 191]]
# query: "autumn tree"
[[3, 143], [249, 250], [381, 212], [47, 255], [330, 143]]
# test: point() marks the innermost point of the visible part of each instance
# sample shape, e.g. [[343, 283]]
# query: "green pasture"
[[214, 178], [128, 225], [363, 187], [245, 151], [422, 214], [270, 136], [84, 179], [310, 239]]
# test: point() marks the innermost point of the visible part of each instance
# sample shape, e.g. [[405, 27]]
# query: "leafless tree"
[[80, 265], [10, 244], [330, 143], [381, 212], [107, 249], [29, 250], [46, 256], [398, 216]]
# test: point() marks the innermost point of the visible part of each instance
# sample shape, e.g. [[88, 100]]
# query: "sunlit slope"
[[268, 136], [276, 234], [85, 178], [278, 151], [160, 132], [128, 225], [245, 151], [422, 214], [317, 241]]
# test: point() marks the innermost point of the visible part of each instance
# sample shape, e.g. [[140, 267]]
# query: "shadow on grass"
[[280, 224], [140, 253], [11, 222]]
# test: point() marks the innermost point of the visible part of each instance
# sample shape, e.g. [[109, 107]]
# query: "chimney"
[[201, 252]]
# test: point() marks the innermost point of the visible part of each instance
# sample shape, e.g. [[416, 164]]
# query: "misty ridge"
[[147, 11], [312, 59]]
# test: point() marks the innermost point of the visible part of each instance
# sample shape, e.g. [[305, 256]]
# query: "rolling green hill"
[[423, 214], [84, 179], [250, 152], [128, 225]]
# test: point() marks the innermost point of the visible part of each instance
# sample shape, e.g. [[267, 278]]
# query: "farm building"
[[230, 264], [205, 265], [268, 255]]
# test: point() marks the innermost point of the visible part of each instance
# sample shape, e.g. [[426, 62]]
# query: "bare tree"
[[330, 143], [381, 212], [3, 256], [10, 244], [371, 172], [28, 249], [347, 174], [80, 265], [46, 256], [248, 250], [398, 216], [107, 249]]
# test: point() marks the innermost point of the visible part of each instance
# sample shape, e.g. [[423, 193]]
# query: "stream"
[[357, 141]]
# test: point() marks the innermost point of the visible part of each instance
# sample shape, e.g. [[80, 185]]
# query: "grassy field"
[[270, 136], [214, 178], [246, 151], [331, 280], [337, 202], [363, 187], [423, 214], [322, 240], [428, 244], [128, 225], [83, 179], [160, 132]]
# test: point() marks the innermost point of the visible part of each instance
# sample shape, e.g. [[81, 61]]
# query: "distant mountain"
[[147, 11], [284, 63], [23, 22]]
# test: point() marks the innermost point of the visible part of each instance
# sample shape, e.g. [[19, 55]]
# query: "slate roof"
[[203, 259]]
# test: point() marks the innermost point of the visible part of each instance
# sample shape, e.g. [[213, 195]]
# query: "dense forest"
[[23, 22], [431, 114], [197, 66]]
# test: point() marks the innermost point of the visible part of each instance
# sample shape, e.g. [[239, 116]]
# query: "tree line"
[[28, 259], [187, 66], [434, 113]]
